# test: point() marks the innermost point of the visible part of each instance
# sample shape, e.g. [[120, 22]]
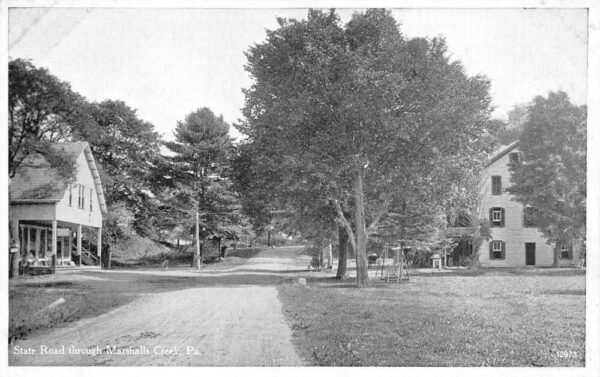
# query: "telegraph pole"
[[198, 260]]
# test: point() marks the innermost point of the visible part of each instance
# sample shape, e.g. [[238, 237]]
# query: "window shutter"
[[503, 254], [570, 250], [491, 217], [491, 250], [501, 216]]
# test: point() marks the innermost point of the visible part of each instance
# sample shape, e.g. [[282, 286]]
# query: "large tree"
[[40, 110], [127, 149], [551, 176], [201, 149], [360, 110]]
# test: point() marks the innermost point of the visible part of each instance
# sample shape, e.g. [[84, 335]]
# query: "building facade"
[[515, 242], [50, 214]]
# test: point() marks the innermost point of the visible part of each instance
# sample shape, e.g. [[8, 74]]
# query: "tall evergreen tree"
[[201, 149]]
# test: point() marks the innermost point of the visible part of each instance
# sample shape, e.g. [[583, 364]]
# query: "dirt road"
[[220, 325]]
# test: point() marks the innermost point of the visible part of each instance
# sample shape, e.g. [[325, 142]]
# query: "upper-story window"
[[70, 195], [528, 219], [496, 185], [514, 157], [497, 216], [81, 201], [91, 196]]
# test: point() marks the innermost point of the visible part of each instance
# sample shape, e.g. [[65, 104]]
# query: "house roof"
[[502, 152], [36, 181]]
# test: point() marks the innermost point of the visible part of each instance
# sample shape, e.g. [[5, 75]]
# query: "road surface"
[[221, 325]]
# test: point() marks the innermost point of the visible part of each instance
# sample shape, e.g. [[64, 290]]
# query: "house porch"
[[41, 240]]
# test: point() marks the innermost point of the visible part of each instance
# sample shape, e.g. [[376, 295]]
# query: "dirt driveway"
[[210, 325]]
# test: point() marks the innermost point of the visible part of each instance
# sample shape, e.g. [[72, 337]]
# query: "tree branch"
[[371, 228], [342, 219]]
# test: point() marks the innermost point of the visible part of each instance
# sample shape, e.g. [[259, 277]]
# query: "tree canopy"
[[551, 175], [199, 173], [40, 109], [359, 112]]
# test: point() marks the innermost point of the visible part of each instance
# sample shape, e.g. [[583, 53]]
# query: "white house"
[[49, 213], [515, 241]]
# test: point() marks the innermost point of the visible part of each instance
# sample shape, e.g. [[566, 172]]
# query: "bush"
[[134, 247]]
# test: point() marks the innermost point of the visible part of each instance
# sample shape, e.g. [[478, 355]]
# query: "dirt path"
[[233, 325]]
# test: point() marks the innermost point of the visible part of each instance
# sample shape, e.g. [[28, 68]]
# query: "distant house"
[[515, 239], [51, 214]]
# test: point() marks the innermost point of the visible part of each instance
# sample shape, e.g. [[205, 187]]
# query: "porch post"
[[54, 240], [100, 244], [37, 242], [70, 249], [79, 230]]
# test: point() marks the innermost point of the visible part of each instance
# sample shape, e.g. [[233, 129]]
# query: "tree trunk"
[[14, 243], [343, 253], [362, 274], [556, 257], [105, 257]]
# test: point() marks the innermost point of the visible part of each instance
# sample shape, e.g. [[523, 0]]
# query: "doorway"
[[63, 250], [530, 253]]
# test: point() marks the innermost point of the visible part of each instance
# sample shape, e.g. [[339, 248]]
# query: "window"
[[496, 250], [497, 216], [496, 185], [514, 157], [566, 252], [81, 201], [71, 195], [91, 196], [528, 221]]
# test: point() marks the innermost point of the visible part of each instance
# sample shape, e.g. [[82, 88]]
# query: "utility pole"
[[198, 258]]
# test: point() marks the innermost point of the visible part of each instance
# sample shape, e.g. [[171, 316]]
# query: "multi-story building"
[[515, 242], [50, 214]]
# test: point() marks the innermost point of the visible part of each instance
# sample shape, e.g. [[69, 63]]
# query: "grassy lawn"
[[495, 318], [28, 304]]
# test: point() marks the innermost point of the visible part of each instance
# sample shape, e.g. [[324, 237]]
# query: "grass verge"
[[29, 309], [501, 319]]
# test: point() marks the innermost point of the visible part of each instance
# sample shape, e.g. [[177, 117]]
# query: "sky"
[[167, 63]]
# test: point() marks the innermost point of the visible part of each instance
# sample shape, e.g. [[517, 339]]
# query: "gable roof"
[[36, 181], [502, 152]]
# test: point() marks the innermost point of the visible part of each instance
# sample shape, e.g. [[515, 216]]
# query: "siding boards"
[[513, 233]]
